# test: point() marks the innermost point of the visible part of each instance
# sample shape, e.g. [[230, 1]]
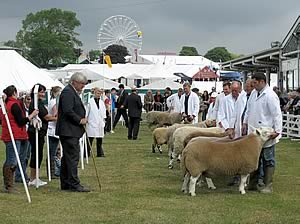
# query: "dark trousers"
[[69, 162], [100, 151], [133, 128], [118, 115], [41, 143]]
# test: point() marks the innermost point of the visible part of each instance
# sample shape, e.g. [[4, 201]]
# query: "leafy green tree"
[[117, 54], [188, 51], [95, 55], [49, 36], [218, 54]]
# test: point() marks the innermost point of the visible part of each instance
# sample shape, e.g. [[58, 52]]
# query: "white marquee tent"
[[104, 84], [162, 84], [16, 70]]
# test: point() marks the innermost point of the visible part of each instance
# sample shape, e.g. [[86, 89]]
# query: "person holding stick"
[[43, 119], [18, 120], [70, 128]]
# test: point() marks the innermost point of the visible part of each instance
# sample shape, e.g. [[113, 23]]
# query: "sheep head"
[[264, 133]]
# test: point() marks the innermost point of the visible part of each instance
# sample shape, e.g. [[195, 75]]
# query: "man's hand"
[[244, 129], [230, 132], [274, 135], [83, 121]]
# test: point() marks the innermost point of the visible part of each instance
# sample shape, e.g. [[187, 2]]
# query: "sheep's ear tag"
[[258, 132]]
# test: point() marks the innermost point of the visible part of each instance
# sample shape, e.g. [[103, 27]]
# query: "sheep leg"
[[159, 149], [192, 186], [153, 148], [210, 183], [243, 183], [200, 181], [179, 158], [185, 183], [171, 163]]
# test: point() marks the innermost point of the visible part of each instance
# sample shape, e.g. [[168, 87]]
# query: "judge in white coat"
[[219, 99], [173, 101], [96, 114], [210, 113], [238, 113], [226, 113], [263, 110], [190, 104]]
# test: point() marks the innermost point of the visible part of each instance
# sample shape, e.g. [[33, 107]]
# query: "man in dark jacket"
[[69, 128], [121, 110], [134, 105]]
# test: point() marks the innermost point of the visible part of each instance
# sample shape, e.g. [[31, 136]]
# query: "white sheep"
[[181, 133], [171, 130], [160, 119], [238, 157]]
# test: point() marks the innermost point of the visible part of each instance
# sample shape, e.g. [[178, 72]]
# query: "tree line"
[[49, 39]]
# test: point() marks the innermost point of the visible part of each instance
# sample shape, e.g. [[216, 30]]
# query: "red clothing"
[[19, 132]]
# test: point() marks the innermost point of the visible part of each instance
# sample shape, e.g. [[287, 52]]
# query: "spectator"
[[134, 105], [148, 101], [158, 101], [121, 110], [205, 104], [44, 118], [18, 120], [53, 139]]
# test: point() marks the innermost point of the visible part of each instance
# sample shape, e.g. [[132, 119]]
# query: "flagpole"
[[35, 91]]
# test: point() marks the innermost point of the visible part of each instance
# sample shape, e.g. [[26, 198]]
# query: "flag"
[[107, 60]]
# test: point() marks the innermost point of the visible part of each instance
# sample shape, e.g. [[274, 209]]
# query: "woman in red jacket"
[[17, 119]]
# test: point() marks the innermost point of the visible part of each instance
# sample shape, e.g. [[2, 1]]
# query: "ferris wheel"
[[120, 30]]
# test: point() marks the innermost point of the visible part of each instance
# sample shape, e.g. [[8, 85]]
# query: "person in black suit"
[[70, 128], [121, 110], [134, 105]]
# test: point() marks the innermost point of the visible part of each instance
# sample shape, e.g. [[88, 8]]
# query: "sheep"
[[171, 130], [181, 133], [237, 157], [160, 119], [159, 138]]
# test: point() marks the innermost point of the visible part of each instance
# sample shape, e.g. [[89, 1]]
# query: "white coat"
[[264, 111], [226, 112], [95, 116], [219, 99], [193, 106], [240, 106], [174, 103], [210, 112]]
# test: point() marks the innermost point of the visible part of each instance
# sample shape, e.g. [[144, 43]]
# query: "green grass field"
[[139, 188]]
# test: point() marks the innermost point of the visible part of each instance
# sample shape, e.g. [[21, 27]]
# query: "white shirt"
[[264, 111], [240, 106], [174, 103], [193, 105], [52, 124], [226, 112]]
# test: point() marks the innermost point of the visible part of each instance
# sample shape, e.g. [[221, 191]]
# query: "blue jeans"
[[11, 159], [53, 143], [268, 156], [23, 154]]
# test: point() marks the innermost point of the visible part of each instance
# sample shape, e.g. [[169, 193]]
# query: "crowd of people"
[[66, 119]]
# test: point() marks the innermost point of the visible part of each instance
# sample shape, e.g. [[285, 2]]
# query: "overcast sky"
[[243, 26]]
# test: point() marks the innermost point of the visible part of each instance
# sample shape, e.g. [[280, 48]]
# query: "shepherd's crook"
[[93, 157]]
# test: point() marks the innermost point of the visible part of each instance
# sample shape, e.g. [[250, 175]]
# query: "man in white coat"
[[219, 98], [173, 101], [96, 114], [263, 110], [190, 104], [226, 113]]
